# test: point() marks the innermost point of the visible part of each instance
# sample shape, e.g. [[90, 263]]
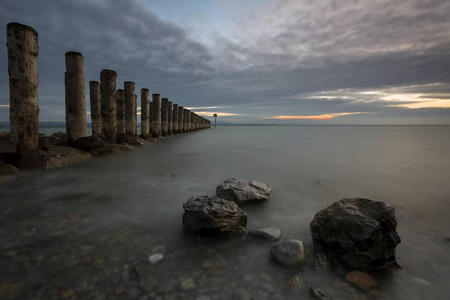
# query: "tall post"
[[96, 107], [23, 50], [108, 96], [170, 118], [130, 108], [185, 120], [164, 116], [175, 119], [76, 120], [156, 115], [145, 94], [180, 119], [150, 122], [120, 124], [135, 113], [215, 120]]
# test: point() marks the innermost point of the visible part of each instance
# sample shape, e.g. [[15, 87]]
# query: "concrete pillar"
[[130, 108], [145, 94], [184, 120], [23, 49], [180, 119], [108, 91], [156, 115], [170, 118], [188, 121], [150, 125], [120, 124], [164, 117], [175, 119], [76, 121], [96, 107], [191, 121], [135, 113], [195, 121]]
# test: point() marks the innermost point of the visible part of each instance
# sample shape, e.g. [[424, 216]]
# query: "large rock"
[[8, 169], [360, 233], [242, 191], [92, 144], [39, 159], [116, 148], [59, 139], [8, 154], [72, 155], [214, 216], [269, 233], [289, 253]]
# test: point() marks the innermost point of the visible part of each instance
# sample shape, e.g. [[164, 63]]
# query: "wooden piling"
[[145, 94], [96, 107], [180, 119], [23, 50], [156, 115], [120, 116], [108, 99], [164, 116], [130, 108], [76, 121], [170, 118], [175, 119]]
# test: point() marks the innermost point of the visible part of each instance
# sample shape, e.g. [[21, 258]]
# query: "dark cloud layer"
[[282, 58]]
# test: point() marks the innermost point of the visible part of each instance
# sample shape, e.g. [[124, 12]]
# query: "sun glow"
[[316, 117]]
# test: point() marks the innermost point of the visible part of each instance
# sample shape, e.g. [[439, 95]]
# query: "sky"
[[376, 62]]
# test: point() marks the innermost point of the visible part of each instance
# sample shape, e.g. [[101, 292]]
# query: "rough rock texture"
[[269, 233], [8, 170], [214, 216], [72, 155], [59, 139], [116, 148], [39, 159], [130, 139], [360, 233], [289, 253], [8, 154], [92, 144], [242, 191], [130, 115]]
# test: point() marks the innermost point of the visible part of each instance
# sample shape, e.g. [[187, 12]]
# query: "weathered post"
[[145, 94], [175, 119], [96, 107], [108, 96], [76, 122], [164, 116], [130, 108], [23, 49], [180, 119], [185, 119], [170, 118], [150, 125], [156, 115], [120, 124], [191, 121], [135, 113]]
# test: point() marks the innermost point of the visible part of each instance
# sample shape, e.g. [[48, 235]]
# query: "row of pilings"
[[113, 111]]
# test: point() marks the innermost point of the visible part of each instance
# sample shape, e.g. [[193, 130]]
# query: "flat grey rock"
[[269, 233], [243, 191]]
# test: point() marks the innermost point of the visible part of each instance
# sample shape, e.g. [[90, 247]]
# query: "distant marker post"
[[215, 120]]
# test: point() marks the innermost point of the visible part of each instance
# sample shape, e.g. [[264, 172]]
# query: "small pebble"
[[155, 258]]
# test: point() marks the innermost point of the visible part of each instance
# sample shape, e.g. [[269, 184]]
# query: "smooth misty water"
[[90, 227]]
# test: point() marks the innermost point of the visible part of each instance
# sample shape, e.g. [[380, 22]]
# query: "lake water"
[[87, 230]]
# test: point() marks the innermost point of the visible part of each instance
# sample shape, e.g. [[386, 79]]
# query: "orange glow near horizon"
[[317, 117]]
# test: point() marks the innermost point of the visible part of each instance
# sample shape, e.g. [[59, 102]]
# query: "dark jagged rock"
[[318, 293], [214, 216], [242, 191], [359, 233], [8, 154], [116, 148], [59, 139], [129, 139], [38, 159], [92, 144], [289, 253]]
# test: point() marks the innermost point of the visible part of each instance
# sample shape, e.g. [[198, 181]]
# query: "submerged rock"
[[242, 191], [361, 279], [8, 169], [39, 159], [318, 293], [269, 233], [289, 253], [214, 216], [72, 155], [360, 233], [92, 144]]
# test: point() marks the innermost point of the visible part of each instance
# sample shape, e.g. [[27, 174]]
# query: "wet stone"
[[188, 284], [318, 293], [289, 253], [361, 279]]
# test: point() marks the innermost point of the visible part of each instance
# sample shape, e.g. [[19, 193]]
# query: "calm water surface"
[[88, 229]]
